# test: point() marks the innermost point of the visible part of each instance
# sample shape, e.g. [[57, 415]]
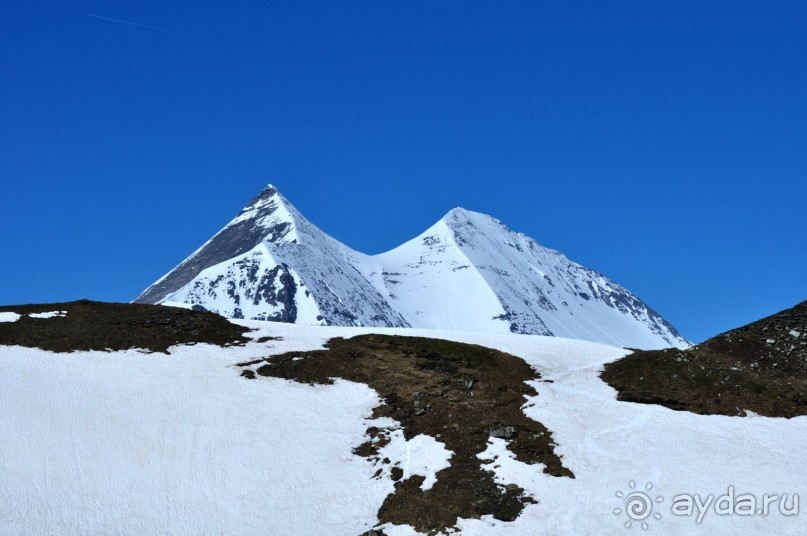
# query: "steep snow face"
[[270, 263], [436, 286], [253, 285], [541, 291], [264, 218], [468, 272]]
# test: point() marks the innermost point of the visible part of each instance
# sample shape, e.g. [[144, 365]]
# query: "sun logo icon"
[[638, 505]]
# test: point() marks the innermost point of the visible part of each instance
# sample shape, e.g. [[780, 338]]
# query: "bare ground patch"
[[460, 394], [760, 367], [89, 325]]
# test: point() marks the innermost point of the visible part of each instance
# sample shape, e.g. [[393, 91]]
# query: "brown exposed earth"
[[760, 367], [460, 394], [89, 325]]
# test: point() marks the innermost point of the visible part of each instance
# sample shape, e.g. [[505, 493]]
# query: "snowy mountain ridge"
[[468, 272]]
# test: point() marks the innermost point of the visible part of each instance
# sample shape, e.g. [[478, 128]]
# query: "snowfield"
[[143, 443]]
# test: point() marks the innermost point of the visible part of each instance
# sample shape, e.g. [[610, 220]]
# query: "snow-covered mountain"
[[271, 263], [468, 272]]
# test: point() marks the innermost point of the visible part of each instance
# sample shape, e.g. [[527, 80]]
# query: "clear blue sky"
[[661, 143]]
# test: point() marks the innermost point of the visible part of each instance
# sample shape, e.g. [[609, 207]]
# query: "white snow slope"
[[270, 263], [128, 443], [468, 272]]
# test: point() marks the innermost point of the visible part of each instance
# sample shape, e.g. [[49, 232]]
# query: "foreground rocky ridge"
[[89, 325], [760, 367]]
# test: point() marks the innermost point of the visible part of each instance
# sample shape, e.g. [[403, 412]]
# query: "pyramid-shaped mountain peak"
[[468, 272], [459, 213], [269, 217], [465, 222]]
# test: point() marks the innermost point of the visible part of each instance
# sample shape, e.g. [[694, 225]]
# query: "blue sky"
[[661, 143]]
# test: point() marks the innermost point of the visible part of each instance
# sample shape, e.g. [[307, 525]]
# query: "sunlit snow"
[[133, 443], [468, 272], [49, 314]]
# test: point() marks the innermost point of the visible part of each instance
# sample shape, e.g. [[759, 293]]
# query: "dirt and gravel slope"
[[89, 325], [760, 367]]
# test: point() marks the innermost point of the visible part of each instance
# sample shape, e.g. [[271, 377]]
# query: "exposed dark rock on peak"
[[241, 235], [271, 263]]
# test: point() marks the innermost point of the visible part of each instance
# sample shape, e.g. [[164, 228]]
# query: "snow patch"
[[177, 304], [9, 317], [422, 455], [49, 314]]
